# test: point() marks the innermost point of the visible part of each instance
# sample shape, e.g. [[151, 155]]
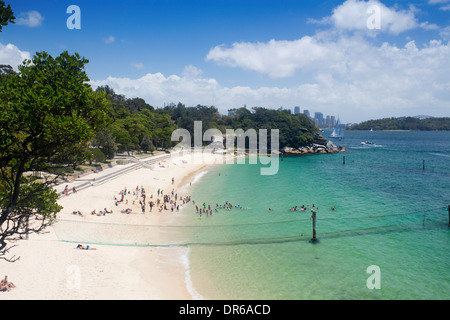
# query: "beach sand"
[[49, 268]]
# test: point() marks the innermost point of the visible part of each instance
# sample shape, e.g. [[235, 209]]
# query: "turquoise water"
[[390, 213]]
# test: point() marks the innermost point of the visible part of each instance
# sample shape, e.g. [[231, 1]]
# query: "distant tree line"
[[406, 123], [138, 126]]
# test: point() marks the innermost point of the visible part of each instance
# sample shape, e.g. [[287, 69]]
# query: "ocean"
[[387, 238]]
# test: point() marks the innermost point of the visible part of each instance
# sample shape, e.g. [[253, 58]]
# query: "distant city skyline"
[[337, 57], [323, 122]]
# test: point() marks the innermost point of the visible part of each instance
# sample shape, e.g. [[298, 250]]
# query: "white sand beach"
[[49, 268]]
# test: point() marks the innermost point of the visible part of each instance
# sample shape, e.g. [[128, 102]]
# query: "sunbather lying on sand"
[[81, 247], [5, 285]]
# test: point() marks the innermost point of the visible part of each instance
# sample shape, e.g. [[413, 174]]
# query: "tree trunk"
[[14, 193]]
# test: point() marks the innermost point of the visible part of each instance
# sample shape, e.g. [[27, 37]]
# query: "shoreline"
[[51, 268]]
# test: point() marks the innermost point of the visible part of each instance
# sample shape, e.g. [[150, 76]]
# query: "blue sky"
[[164, 36], [319, 55]]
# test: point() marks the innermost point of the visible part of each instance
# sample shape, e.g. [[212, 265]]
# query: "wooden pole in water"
[[423, 164], [314, 238], [448, 208], [343, 160]]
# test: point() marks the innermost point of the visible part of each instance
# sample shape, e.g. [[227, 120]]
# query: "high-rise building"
[[333, 121], [296, 110], [318, 118]]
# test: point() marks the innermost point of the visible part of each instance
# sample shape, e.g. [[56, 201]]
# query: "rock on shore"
[[328, 147]]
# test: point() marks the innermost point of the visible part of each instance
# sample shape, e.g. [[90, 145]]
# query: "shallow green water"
[[254, 253]]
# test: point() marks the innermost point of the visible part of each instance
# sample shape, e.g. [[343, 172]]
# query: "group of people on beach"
[[93, 212], [163, 201], [101, 212], [66, 190]]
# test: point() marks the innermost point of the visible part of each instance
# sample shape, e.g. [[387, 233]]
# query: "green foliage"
[[147, 144], [34, 198], [106, 142], [294, 130], [48, 109], [406, 123], [6, 15], [137, 125], [98, 155], [5, 71], [48, 114]]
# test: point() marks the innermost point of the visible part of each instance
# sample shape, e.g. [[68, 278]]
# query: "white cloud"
[[138, 65], [353, 15], [350, 77], [438, 1], [11, 55], [276, 58], [445, 33], [30, 19], [191, 71], [109, 40], [157, 89], [372, 16], [280, 58], [445, 7], [429, 26]]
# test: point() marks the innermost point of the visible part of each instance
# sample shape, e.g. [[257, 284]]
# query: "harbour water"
[[391, 202]]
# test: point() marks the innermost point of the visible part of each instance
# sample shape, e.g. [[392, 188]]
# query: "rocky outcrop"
[[319, 139], [327, 147]]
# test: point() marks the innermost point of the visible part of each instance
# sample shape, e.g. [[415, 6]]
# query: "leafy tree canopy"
[[6, 15], [48, 112]]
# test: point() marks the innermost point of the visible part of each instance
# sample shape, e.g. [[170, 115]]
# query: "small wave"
[[367, 146], [439, 154], [188, 280], [198, 176]]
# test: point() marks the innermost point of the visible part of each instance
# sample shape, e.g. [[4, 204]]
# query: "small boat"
[[366, 143], [337, 131]]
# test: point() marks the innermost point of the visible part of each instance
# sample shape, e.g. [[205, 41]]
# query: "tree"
[[46, 110], [122, 137], [6, 15], [5, 71], [98, 155], [106, 142], [147, 144]]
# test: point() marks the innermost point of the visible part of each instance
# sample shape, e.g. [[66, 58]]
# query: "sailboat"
[[337, 131]]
